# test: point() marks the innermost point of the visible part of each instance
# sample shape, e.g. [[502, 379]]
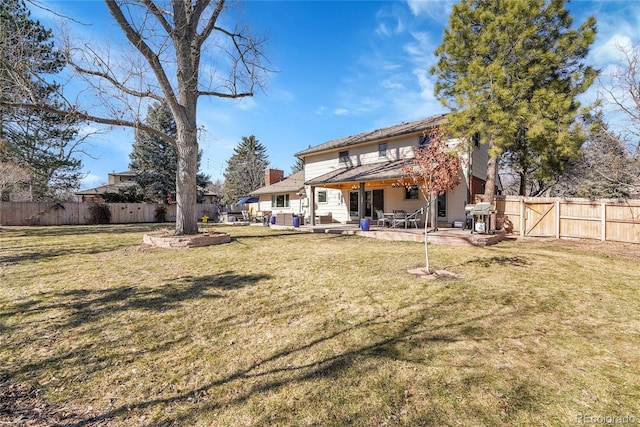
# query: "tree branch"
[[89, 117], [112, 80], [136, 39]]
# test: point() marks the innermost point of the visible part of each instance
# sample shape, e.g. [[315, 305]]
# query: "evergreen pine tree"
[[297, 166], [155, 161], [245, 169], [40, 142], [511, 71]]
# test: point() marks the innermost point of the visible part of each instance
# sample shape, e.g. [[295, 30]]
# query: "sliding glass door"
[[373, 201]]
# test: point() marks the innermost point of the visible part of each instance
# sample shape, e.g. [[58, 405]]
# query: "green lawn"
[[286, 328]]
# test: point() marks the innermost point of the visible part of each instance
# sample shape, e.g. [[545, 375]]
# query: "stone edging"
[[167, 241]]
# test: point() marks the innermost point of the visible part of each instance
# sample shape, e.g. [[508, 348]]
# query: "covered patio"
[[366, 189]]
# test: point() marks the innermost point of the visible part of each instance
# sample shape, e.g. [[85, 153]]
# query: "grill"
[[481, 217]]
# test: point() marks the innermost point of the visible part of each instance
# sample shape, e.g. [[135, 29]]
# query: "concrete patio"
[[445, 236]]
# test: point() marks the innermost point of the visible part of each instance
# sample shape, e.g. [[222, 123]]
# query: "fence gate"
[[540, 219]]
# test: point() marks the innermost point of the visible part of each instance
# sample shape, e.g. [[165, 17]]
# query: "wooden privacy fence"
[[606, 219], [41, 213]]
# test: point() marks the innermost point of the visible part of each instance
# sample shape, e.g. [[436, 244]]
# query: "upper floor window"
[[382, 149], [424, 140], [411, 193], [344, 157], [476, 139]]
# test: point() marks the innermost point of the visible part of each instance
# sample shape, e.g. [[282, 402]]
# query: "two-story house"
[[355, 177], [116, 181]]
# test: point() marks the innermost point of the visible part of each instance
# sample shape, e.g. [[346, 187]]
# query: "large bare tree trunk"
[[169, 37], [187, 148]]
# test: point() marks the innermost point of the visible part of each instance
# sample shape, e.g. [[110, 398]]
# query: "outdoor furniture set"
[[398, 217]]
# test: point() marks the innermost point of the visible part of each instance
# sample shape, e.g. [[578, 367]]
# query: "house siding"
[[317, 164], [296, 204]]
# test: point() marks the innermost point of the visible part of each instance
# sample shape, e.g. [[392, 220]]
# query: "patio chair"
[[381, 218], [414, 218], [399, 217], [245, 216]]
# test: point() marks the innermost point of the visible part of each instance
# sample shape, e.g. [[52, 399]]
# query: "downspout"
[[312, 206]]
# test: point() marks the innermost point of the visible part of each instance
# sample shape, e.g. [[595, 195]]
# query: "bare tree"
[[172, 43], [12, 178], [622, 91], [434, 169]]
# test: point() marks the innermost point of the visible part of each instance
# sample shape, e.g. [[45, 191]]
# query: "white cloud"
[[341, 112], [382, 30], [389, 22], [245, 104], [425, 83], [609, 51], [392, 84], [421, 49], [321, 110], [390, 66], [434, 9], [92, 181]]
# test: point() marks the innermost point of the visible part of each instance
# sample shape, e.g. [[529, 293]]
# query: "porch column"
[[312, 206], [361, 201], [434, 212]]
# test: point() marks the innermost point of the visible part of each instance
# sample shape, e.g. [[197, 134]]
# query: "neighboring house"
[[282, 195], [354, 177], [116, 182], [121, 181]]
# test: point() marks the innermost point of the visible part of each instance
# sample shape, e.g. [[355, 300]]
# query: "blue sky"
[[342, 67]]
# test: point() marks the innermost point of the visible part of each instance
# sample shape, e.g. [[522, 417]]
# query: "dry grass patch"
[[284, 328]]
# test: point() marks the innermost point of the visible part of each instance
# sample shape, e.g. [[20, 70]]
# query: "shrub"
[[99, 213], [161, 214]]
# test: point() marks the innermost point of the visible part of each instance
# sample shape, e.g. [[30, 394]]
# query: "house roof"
[[107, 188], [376, 135], [290, 184], [391, 170]]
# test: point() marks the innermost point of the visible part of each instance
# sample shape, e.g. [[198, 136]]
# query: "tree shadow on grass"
[[90, 305], [34, 250], [276, 371], [73, 230], [40, 254]]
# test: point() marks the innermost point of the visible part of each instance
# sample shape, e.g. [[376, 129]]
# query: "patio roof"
[[379, 172]]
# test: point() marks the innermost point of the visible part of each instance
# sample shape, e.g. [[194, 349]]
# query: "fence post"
[[604, 221], [557, 219], [523, 227]]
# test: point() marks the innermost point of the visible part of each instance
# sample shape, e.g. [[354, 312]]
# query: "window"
[[382, 149], [476, 139], [344, 157], [280, 201], [424, 140], [442, 205], [411, 193], [322, 196]]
